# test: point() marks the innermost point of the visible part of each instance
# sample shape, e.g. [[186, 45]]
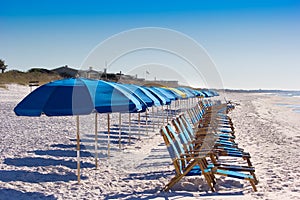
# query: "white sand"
[[38, 157]]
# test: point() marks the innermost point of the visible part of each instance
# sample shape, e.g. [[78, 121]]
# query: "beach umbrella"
[[161, 97], [198, 93], [113, 97], [188, 95], [215, 93], [144, 101], [171, 95], [147, 97], [178, 92], [206, 93], [78, 96], [192, 92], [164, 97], [60, 98], [187, 91]]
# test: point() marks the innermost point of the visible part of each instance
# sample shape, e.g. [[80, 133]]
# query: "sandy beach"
[[38, 155]]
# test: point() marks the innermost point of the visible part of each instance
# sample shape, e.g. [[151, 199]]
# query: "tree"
[[2, 65]]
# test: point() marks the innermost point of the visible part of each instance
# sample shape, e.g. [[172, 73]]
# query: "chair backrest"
[[182, 136], [173, 150], [189, 135], [191, 116], [176, 139], [184, 123]]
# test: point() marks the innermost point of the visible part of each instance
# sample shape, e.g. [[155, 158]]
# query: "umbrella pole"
[[119, 130], [108, 135], [157, 117], [163, 116], [167, 114], [78, 148], [139, 122], [170, 110], [153, 118], [96, 140], [147, 122], [129, 134], [179, 105], [187, 103]]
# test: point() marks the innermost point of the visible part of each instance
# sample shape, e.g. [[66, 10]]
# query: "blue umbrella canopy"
[[198, 93], [206, 93], [215, 93], [58, 98], [167, 93], [188, 92], [147, 96], [112, 97], [171, 92], [162, 98], [77, 97]]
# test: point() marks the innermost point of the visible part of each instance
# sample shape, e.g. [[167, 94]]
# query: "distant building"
[[66, 71], [90, 73]]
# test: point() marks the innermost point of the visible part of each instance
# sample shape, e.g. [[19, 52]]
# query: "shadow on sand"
[[8, 194], [148, 194], [43, 162], [62, 153], [35, 177]]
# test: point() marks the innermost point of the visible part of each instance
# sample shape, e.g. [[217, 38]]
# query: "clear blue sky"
[[254, 44]]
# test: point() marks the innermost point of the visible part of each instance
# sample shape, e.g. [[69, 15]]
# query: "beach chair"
[[201, 116], [184, 164], [197, 163], [189, 146], [221, 147]]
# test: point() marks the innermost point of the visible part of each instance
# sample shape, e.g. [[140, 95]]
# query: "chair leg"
[[252, 182], [211, 183], [255, 179], [249, 162], [179, 176], [173, 182]]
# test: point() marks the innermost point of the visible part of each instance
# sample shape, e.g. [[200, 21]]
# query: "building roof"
[[66, 71]]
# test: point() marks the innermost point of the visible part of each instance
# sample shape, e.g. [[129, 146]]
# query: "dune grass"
[[23, 78]]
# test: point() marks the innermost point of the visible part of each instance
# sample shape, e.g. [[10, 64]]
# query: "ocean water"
[[289, 94]]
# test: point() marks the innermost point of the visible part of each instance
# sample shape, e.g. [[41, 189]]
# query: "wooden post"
[[167, 114], [129, 134], [147, 121], [96, 140], [157, 116], [119, 130], [108, 135], [139, 122], [163, 115], [153, 118], [78, 148]]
